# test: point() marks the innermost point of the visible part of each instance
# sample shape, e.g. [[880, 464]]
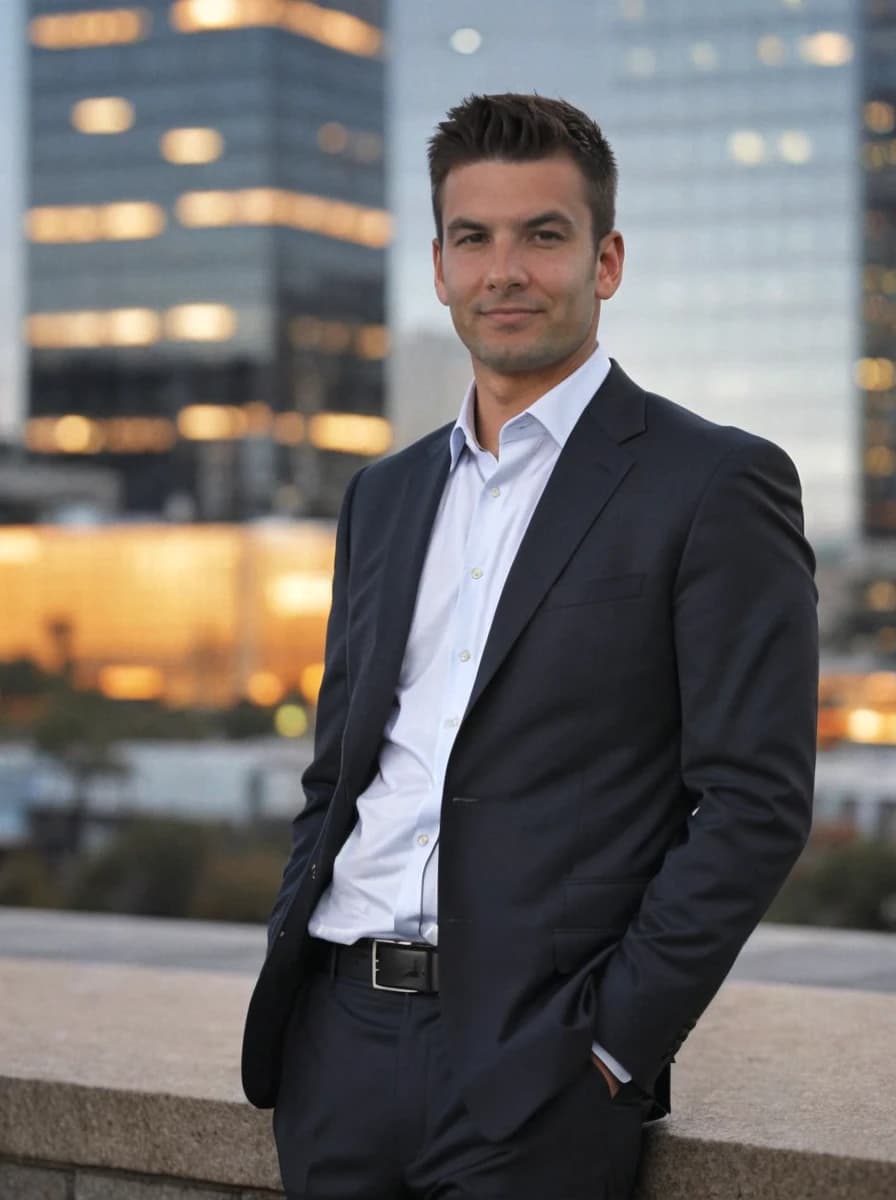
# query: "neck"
[[499, 398]]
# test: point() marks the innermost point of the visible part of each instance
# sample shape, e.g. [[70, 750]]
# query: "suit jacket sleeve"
[[746, 639], [320, 778]]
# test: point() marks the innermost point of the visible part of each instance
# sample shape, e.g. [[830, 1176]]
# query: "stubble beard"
[[539, 355]]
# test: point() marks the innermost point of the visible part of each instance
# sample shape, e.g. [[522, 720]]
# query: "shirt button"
[[495, 492], [465, 656], [423, 839], [476, 572], [452, 722]]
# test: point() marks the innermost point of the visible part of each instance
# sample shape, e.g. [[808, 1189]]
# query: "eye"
[[548, 235], [470, 239]]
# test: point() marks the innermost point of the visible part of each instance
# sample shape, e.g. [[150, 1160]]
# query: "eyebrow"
[[551, 217]]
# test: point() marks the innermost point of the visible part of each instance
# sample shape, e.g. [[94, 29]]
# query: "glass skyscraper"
[[736, 128], [877, 368], [206, 234]]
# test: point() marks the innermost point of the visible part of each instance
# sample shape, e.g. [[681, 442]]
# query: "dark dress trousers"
[[632, 778]]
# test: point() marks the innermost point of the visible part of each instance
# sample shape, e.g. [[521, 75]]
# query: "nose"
[[506, 269]]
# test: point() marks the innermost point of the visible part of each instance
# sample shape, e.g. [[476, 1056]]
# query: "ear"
[[438, 273], [611, 256]]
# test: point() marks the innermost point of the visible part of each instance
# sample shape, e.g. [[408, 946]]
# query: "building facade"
[[876, 373], [736, 128], [206, 239]]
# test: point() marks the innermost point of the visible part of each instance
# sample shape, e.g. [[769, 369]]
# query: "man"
[[565, 739]]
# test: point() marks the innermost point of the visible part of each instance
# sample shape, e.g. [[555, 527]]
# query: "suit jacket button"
[[314, 870]]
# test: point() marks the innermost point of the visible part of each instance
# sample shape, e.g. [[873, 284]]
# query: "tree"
[[79, 731]]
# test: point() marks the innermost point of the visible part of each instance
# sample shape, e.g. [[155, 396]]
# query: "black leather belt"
[[386, 966]]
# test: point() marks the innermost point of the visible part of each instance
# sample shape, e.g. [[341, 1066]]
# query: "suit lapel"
[[590, 468], [404, 555]]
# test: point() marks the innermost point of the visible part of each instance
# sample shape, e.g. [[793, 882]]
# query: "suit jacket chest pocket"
[[576, 592]]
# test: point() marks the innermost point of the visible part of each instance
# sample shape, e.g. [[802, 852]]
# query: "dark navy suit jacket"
[[632, 778]]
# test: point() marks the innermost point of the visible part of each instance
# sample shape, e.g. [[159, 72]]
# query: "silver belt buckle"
[[382, 987]]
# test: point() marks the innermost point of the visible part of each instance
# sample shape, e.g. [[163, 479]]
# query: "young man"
[[565, 739]]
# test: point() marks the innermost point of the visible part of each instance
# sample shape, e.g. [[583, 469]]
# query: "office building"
[[876, 373], [736, 131], [206, 244]]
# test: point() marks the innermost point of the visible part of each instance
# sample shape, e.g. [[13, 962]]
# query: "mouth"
[[508, 316]]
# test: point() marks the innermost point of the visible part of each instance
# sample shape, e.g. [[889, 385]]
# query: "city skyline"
[[597, 59]]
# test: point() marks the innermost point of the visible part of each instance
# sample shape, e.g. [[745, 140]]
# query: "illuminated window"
[[826, 49], [879, 460], [138, 435], [373, 341], [207, 209], [105, 27], [131, 220], [332, 137], [794, 146], [289, 428], [746, 147], [258, 417], [103, 114], [301, 593], [123, 220], [200, 322], [340, 30], [297, 210], [875, 374], [880, 117], [75, 434], [191, 145], [133, 327], [120, 327], [211, 422], [350, 433], [882, 595], [465, 41]]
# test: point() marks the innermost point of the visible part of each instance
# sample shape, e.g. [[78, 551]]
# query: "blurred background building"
[[216, 245], [206, 236], [737, 130]]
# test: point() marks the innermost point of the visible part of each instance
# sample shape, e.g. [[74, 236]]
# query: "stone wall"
[[122, 1083]]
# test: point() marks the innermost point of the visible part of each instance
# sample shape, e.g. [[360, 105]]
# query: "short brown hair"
[[521, 128]]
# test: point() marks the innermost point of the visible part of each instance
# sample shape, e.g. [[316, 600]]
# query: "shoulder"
[[705, 447]]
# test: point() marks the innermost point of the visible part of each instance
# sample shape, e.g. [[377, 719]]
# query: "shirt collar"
[[557, 411]]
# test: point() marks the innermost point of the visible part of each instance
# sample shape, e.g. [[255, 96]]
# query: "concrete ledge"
[[131, 1073]]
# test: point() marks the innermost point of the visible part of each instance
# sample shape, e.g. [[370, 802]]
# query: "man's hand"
[[612, 1082]]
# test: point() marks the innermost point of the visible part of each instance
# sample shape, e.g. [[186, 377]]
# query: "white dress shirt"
[[385, 877]]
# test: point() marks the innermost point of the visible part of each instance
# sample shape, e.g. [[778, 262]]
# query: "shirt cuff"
[[609, 1061]]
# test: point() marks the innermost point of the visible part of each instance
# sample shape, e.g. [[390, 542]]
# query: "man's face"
[[518, 267]]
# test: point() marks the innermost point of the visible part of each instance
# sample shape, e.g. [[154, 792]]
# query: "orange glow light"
[[191, 145], [336, 219], [95, 27], [264, 689], [103, 114], [131, 682], [350, 433], [339, 30]]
